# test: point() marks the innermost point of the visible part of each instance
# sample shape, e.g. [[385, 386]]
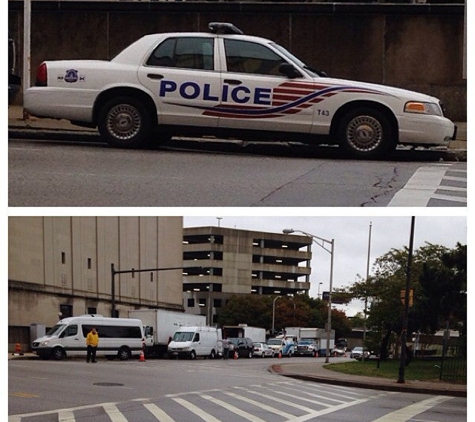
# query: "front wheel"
[[366, 132], [125, 122], [57, 353]]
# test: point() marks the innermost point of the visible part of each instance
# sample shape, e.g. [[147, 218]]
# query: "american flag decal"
[[290, 97]]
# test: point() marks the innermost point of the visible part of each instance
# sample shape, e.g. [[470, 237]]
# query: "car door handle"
[[154, 76], [233, 81]]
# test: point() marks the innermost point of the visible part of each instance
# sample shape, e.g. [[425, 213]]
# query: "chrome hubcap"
[[124, 121], [364, 133]]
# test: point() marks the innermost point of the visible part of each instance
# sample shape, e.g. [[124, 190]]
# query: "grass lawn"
[[421, 370]]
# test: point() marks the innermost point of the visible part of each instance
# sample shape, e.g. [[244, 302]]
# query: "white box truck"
[[118, 337], [256, 334], [161, 325], [192, 342]]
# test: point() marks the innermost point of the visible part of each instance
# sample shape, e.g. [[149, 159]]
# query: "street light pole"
[[320, 241]]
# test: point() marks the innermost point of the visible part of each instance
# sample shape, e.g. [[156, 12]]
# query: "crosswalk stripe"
[[408, 412], [279, 400], [114, 413], [320, 396], [449, 198], [158, 413], [196, 410], [424, 183], [233, 409], [66, 416], [260, 405]]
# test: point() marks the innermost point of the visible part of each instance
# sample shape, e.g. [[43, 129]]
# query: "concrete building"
[[61, 266], [224, 262]]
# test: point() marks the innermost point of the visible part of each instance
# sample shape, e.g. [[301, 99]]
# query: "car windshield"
[[295, 60], [305, 342], [274, 341], [183, 336], [56, 330]]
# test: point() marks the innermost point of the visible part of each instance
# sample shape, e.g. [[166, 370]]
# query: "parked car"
[[243, 346], [357, 353], [282, 346], [227, 84], [306, 348], [338, 351], [263, 350]]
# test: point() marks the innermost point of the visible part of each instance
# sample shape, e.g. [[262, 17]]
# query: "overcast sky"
[[351, 237]]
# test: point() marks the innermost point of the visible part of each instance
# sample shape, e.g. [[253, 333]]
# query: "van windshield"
[[56, 330], [274, 341], [183, 336]]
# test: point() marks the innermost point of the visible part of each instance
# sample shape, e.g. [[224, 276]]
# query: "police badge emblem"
[[71, 76]]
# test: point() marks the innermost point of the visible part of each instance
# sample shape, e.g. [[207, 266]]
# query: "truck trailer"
[[256, 334], [160, 325]]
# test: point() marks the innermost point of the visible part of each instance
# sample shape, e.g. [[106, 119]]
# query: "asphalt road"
[[203, 390], [80, 172]]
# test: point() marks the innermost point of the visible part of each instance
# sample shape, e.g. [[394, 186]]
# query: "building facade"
[[220, 262], [61, 266]]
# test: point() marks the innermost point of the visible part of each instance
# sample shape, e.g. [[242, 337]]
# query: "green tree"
[[438, 276]]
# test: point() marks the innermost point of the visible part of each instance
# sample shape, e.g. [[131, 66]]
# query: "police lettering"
[[240, 94]]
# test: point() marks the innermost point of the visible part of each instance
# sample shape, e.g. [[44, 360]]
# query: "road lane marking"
[[196, 410], [114, 413], [66, 416], [420, 187], [408, 412], [260, 405], [158, 413], [234, 409]]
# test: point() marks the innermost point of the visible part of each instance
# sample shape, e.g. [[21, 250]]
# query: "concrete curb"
[[382, 384]]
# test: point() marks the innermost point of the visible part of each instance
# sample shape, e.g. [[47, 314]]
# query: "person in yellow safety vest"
[[92, 340]]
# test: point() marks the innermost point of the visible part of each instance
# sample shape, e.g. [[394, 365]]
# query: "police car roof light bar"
[[224, 28]]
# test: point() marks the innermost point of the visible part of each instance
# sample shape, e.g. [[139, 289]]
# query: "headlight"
[[45, 343], [419, 107]]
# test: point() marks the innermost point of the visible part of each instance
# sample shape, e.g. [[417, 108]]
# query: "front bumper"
[[425, 130]]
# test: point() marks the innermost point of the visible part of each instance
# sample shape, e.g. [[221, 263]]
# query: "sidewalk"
[[16, 121], [315, 371]]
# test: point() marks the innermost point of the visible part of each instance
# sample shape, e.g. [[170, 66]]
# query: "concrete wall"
[[55, 261], [414, 46]]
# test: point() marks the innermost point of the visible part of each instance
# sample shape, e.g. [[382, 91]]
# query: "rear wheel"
[[124, 353], [125, 122], [366, 132]]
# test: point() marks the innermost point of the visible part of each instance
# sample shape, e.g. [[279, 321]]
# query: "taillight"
[[41, 75]]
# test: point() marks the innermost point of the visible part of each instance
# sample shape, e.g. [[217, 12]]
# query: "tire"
[[124, 122], [249, 354], [212, 355], [193, 355], [365, 132], [124, 353], [58, 353]]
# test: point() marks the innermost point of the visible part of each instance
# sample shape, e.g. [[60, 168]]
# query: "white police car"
[[228, 84]]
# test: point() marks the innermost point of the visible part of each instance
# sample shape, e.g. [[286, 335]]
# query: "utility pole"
[[402, 362]]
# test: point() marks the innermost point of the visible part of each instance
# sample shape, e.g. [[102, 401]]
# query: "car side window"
[[185, 53], [250, 57], [71, 330]]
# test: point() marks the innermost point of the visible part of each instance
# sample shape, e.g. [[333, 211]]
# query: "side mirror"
[[289, 70]]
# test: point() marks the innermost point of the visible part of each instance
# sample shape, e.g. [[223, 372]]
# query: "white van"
[[195, 341], [118, 337]]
